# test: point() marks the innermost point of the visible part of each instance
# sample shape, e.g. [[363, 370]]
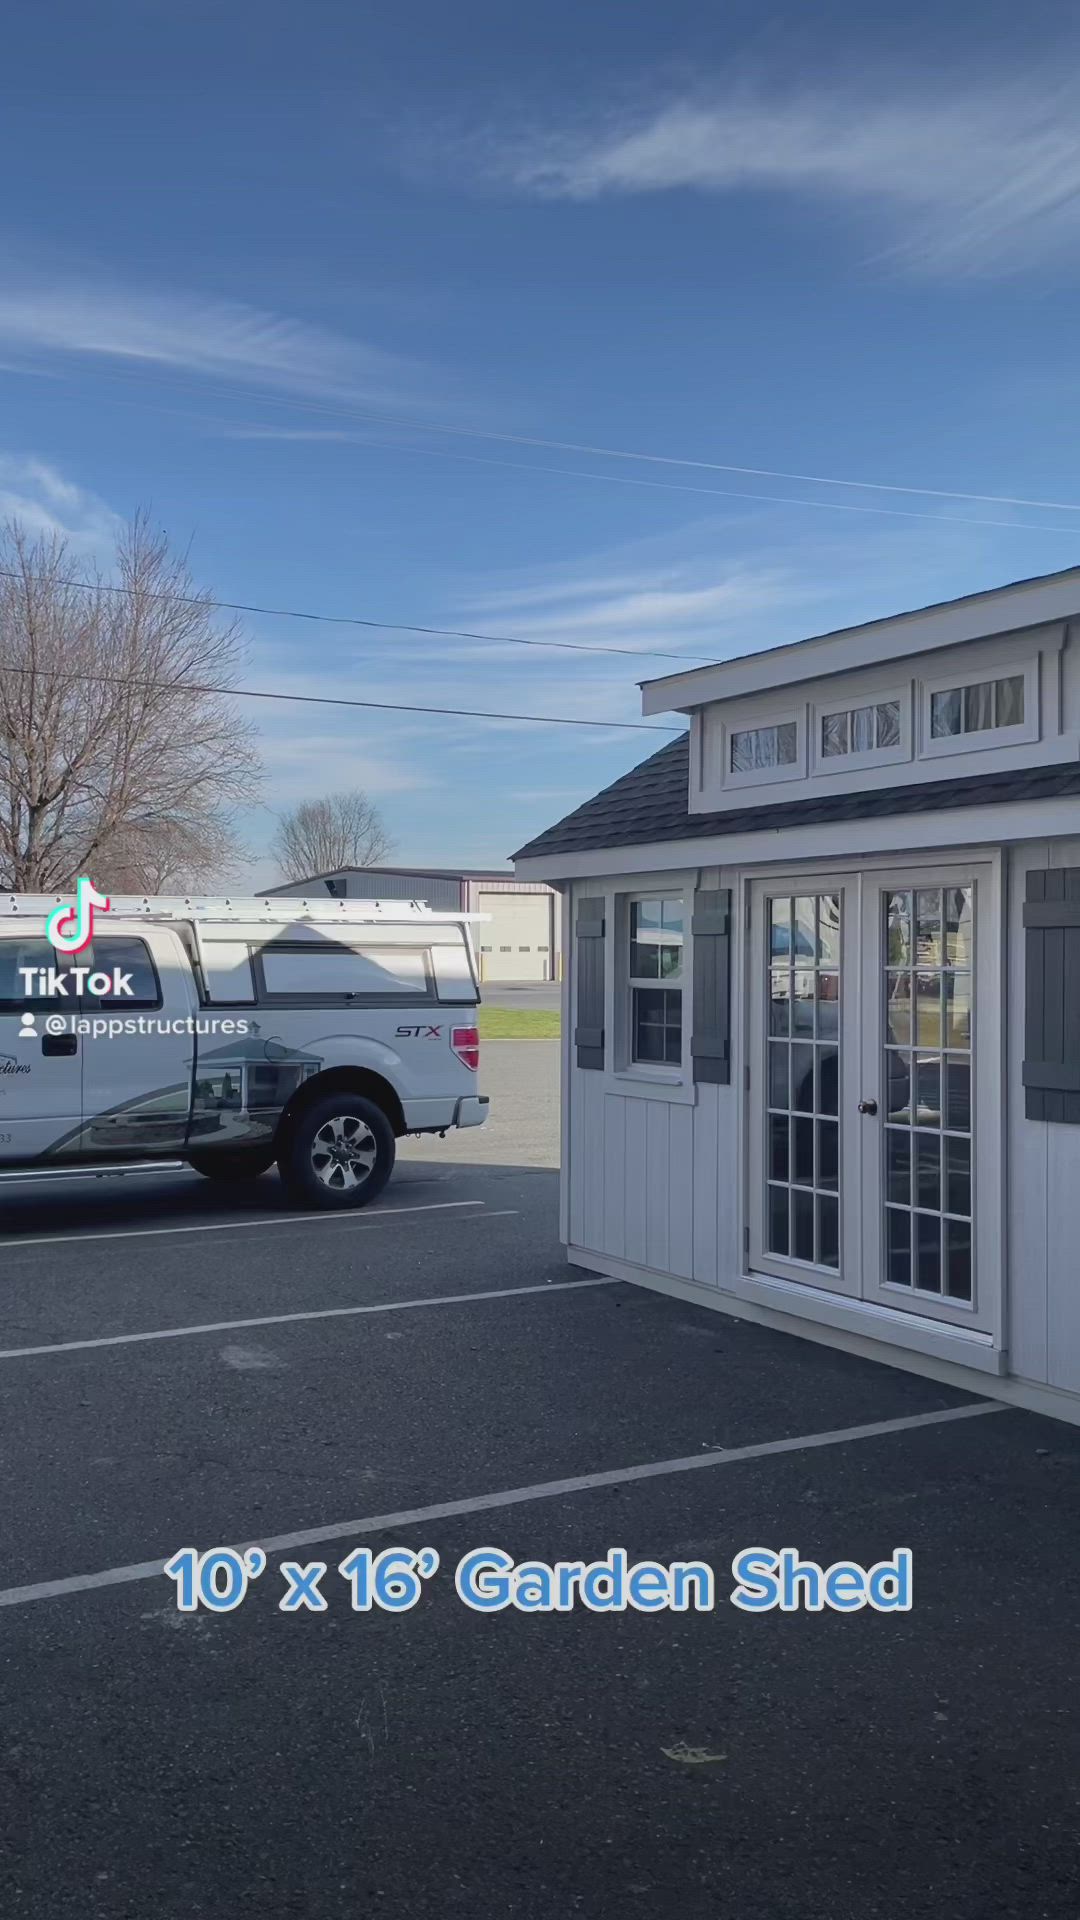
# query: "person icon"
[[28, 1028]]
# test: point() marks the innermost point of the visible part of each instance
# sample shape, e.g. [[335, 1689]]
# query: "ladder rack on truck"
[[274, 909]]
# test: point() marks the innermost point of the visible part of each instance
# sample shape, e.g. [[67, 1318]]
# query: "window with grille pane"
[[656, 934]]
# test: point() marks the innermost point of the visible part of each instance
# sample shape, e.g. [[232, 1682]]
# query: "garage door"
[[516, 942]]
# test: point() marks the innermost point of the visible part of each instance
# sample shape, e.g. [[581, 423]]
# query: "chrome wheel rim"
[[343, 1153]]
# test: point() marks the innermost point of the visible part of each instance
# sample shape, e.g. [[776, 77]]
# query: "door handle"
[[868, 1106], [59, 1043]]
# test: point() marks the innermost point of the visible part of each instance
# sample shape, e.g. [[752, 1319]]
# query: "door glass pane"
[[802, 1238], [928, 1170], [898, 930], [958, 926], [828, 1155], [780, 1001], [802, 1003], [898, 1086], [927, 1152], [828, 1080], [898, 1246], [928, 947], [898, 1009], [804, 936], [778, 1146], [927, 1090], [958, 1259], [802, 1127], [829, 930], [957, 1009], [928, 1009], [898, 1165], [828, 1214], [780, 929], [928, 1252], [802, 1079], [777, 1235]]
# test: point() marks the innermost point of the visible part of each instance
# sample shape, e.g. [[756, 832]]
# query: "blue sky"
[[314, 282]]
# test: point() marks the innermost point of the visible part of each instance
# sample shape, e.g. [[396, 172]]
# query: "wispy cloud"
[[45, 502], [226, 341], [962, 177], [693, 604]]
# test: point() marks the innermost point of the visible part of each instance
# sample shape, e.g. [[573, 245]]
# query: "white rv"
[[229, 1034]]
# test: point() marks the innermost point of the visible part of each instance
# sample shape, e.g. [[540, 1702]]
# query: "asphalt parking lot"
[[184, 1368]]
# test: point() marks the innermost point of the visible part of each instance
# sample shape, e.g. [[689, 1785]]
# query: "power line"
[[382, 626], [331, 700]]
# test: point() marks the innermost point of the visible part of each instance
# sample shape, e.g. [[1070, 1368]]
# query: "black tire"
[[233, 1163], [340, 1153]]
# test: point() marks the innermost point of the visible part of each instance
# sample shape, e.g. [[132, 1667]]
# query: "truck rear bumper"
[[438, 1116]]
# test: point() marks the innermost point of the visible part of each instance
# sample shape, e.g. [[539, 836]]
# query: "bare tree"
[[319, 836], [121, 755]]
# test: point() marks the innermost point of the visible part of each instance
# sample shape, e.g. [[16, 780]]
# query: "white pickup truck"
[[229, 1034]]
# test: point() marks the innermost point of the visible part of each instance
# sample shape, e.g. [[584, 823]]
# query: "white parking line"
[[287, 1319], [512, 1497], [224, 1226]]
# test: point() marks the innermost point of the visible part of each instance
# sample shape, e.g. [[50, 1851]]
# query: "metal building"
[[522, 940]]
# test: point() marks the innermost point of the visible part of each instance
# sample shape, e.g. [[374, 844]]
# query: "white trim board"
[[982, 616], [1031, 1395]]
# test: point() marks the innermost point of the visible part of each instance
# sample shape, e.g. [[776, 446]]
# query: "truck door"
[[40, 1073], [137, 1066]]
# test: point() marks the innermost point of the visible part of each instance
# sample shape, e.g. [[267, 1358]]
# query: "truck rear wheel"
[[340, 1154], [233, 1163]]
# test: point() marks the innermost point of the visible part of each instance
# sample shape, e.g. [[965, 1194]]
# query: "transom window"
[[754, 747], [861, 729], [986, 705], [655, 976]]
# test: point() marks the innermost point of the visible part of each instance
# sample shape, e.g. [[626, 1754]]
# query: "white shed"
[[821, 1037]]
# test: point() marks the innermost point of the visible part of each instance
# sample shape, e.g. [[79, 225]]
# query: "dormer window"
[[978, 708], [755, 747], [860, 729], [991, 709]]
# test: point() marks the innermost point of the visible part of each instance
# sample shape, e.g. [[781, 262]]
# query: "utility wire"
[[330, 700], [383, 626]]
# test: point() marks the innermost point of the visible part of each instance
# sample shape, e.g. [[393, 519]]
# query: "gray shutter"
[[1052, 995], [589, 1030], [710, 1042]]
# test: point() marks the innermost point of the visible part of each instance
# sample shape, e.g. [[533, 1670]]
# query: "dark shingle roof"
[[650, 803]]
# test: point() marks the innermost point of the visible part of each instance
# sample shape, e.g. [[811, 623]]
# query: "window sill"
[[637, 1085]]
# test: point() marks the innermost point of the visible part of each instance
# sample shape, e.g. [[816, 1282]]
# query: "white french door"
[[875, 1084]]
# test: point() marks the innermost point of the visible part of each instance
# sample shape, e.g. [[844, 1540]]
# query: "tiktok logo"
[[70, 929]]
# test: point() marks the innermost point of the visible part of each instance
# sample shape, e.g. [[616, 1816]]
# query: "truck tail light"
[[465, 1042]]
